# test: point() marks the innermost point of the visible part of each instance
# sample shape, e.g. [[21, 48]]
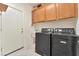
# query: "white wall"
[[63, 23], [26, 9], [77, 26]]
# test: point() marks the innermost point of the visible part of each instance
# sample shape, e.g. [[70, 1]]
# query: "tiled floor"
[[25, 52]]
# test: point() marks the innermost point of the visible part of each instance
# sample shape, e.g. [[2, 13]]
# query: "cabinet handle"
[[78, 42], [64, 42]]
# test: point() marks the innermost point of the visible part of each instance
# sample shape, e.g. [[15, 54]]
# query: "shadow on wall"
[[65, 23]]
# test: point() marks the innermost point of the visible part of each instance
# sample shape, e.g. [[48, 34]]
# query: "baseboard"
[[14, 51]]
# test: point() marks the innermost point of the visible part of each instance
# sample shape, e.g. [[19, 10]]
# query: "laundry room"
[[39, 29]]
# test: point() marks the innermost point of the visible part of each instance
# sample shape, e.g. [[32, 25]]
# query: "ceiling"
[[34, 4]]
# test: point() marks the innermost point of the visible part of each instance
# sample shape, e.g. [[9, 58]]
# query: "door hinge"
[[1, 49]]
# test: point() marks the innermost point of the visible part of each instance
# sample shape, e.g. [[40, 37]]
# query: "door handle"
[[22, 30]]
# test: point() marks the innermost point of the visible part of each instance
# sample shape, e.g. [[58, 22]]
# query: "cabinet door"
[[76, 10], [38, 15], [34, 17], [3, 7], [65, 10], [51, 12]]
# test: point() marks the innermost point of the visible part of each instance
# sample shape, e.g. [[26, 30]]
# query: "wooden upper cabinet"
[[65, 10], [51, 12], [3, 7], [55, 11], [38, 15]]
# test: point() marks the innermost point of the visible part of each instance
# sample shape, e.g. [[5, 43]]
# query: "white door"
[[12, 27], [0, 30]]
